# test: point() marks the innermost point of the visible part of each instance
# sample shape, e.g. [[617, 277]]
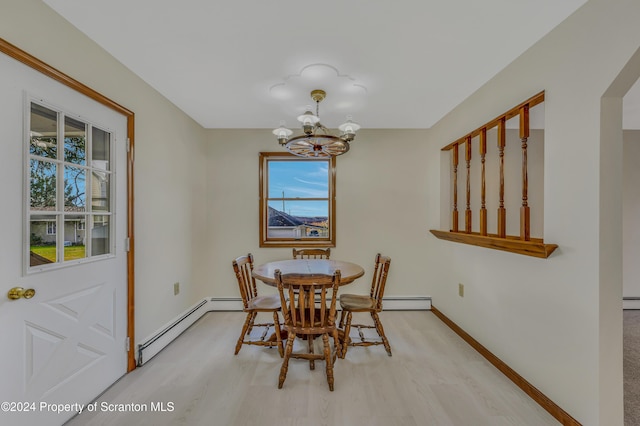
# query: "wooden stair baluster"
[[454, 218], [524, 243], [467, 213], [483, 192], [525, 214], [502, 212]]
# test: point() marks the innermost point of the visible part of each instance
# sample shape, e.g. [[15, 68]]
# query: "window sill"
[[301, 243], [535, 247]]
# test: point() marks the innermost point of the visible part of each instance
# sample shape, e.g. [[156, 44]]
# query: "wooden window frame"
[[266, 241]]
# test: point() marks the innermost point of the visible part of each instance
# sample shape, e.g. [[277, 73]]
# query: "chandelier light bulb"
[[349, 129], [308, 118], [282, 133]]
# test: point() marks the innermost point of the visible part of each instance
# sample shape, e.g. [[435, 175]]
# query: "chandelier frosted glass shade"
[[316, 141]]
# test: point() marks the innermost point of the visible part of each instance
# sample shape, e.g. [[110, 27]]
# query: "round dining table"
[[349, 272]]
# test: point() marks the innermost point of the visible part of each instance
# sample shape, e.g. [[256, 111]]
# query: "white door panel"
[[67, 343]]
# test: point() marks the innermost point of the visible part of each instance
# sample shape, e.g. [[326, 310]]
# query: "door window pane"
[[42, 185], [100, 149], [100, 191], [43, 135], [74, 141], [74, 189], [42, 244], [74, 237], [100, 235]]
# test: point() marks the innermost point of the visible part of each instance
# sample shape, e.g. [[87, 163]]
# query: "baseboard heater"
[[631, 303], [393, 303], [167, 334]]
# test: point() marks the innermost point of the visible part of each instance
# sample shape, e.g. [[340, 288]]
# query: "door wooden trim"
[[33, 62]]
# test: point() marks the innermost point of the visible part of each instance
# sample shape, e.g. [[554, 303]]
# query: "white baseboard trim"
[[157, 341], [631, 303], [407, 303]]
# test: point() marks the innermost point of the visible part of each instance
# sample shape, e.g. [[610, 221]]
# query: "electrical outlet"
[[461, 289], [176, 288]]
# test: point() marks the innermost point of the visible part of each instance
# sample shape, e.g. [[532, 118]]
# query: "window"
[[51, 228], [68, 186], [297, 201]]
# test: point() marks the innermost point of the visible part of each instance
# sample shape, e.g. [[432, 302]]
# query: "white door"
[[63, 218]]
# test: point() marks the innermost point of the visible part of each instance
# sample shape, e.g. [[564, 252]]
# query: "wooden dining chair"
[[312, 253], [372, 303], [253, 304], [304, 317]]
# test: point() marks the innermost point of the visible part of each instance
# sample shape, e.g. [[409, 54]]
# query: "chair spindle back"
[[243, 267], [312, 253], [299, 309], [379, 279]]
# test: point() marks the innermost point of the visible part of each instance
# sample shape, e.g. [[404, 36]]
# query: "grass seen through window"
[[70, 252]]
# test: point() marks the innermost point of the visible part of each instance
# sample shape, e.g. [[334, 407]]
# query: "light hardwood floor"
[[433, 378]]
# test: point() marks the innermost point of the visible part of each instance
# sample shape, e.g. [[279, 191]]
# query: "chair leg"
[[245, 328], [285, 361], [347, 339], [276, 327], [312, 363], [380, 330], [342, 318], [328, 360], [253, 318], [337, 345]]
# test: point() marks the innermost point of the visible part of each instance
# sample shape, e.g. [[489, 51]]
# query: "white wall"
[[197, 204], [382, 206], [631, 214], [170, 180], [557, 321]]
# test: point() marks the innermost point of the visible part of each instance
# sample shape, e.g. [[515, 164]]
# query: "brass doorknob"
[[18, 292]]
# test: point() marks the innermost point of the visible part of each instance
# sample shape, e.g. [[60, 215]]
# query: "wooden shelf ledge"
[[535, 247]]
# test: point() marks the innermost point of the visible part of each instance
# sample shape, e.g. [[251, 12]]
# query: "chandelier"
[[316, 140]]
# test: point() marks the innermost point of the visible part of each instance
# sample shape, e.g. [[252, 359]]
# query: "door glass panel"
[[74, 237], [43, 140], [100, 191], [74, 189], [75, 141], [62, 179], [100, 235], [42, 185], [43, 233], [100, 153]]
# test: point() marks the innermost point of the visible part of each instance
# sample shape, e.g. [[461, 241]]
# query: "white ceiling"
[[250, 64]]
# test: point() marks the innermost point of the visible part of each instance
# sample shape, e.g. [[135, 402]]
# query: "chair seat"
[[267, 303], [354, 302]]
